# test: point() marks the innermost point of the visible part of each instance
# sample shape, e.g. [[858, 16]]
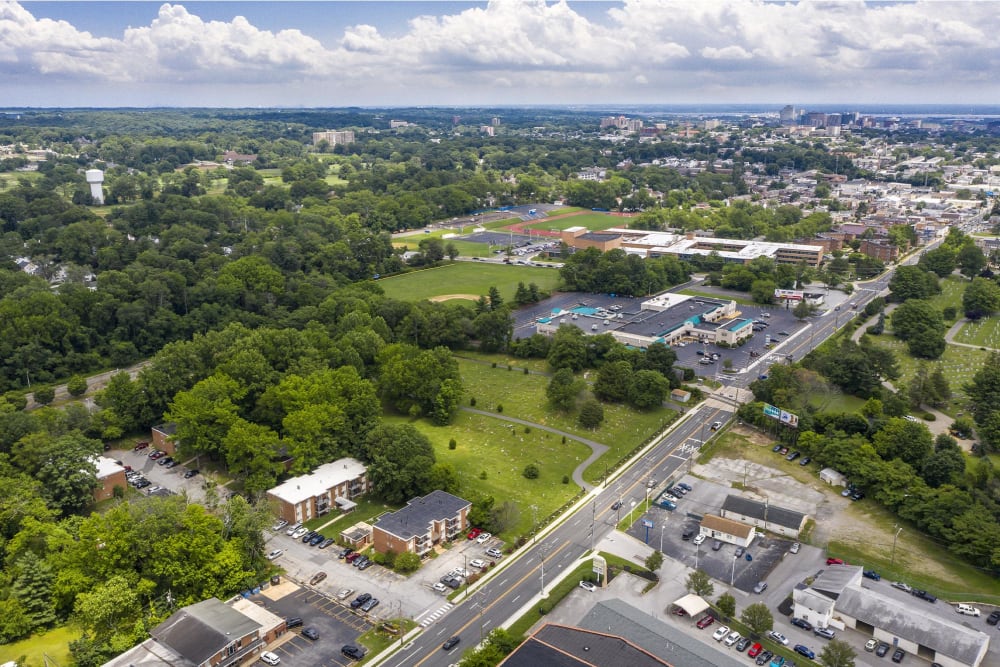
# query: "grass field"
[[467, 278], [563, 210], [53, 645], [592, 221], [985, 333], [837, 402], [465, 248], [958, 364], [502, 450], [9, 179], [952, 288], [523, 396]]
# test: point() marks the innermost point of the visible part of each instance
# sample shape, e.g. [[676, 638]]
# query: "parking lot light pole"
[[892, 560], [662, 526]]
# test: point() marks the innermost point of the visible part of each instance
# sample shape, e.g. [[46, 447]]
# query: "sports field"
[[467, 278], [592, 221]]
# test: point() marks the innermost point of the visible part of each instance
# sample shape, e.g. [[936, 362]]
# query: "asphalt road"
[[504, 595]]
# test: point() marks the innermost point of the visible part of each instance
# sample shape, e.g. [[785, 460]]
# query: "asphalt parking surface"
[[335, 622], [171, 479]]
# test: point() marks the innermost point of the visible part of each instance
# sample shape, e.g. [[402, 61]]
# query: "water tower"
[[96, 177]]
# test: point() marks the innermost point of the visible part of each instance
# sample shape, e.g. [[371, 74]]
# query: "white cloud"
[[531, 48]]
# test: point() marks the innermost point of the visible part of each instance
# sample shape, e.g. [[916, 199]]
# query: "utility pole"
[[892, 560]]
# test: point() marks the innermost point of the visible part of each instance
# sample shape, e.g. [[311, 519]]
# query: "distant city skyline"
[[508, 52]]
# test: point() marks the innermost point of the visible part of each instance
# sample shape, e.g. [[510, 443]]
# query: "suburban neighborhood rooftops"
[[319, 481], [915, 623], [419, 513]]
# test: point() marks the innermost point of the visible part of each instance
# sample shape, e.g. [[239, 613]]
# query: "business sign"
[[793, 294], [771, 411], [600, 567], [647, 523], [789, 418]]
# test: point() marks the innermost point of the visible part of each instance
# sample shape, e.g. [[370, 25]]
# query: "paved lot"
[[172, 479], [336, 624]]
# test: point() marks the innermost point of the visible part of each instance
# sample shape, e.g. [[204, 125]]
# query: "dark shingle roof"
[[203, 629], [416, 517], [563, 646], [756, 509]]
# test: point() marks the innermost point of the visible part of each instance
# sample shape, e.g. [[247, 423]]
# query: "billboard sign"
[[771, 411], [789, 418]]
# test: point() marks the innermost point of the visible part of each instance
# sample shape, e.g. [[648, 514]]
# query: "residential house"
[[316, 494], [437, 517]]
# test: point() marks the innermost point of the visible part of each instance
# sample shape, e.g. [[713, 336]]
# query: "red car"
[[140, 445], [156, 454], [834, 561], [351, 557], [754, 651], [705, 622], [474, 533]]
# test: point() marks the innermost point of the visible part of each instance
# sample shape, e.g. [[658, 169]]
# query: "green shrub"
[[530, 471], [500, 408], [77, 386], [472, 401], [452, 444], [565, 479], [407, 562], [45, 395], [482, 475], [525, 371], [929, 416]]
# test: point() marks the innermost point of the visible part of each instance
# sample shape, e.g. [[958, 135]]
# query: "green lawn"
[[952, 288], [592, 221], [332, 524], [563, 210], [837, 402], [958, 364], [53, 645], [523, 396], [467, 278], [985, 333], [503, 450]]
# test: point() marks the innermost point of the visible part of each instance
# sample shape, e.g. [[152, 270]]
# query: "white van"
[[966, 609]]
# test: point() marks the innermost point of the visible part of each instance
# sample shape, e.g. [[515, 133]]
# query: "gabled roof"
[[915, 623], [416, 518], [763, 511], [563, 646], [728, 526], [203, 629]]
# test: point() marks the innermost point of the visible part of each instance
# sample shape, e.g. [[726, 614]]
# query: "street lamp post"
[[892, 560], [662, 526]]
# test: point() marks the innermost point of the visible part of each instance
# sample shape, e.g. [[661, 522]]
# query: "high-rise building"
[[334, 137], [788, 115]]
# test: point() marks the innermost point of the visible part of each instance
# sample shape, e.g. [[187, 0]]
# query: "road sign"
[[771, 411], [600, 567]]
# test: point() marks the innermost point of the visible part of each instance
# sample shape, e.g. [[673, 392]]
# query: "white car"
[[274, 554], [439, 587], [795, 547], [699, 539], [483, 538], [778, 637], [721, 633], [733, 638], [299, 532], [587, 586], [269, 658], [477, 563], [278, 526], [292, 528], [344, 593]]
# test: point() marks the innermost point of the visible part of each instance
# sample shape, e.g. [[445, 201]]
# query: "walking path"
[[596, 448], [949, 337]]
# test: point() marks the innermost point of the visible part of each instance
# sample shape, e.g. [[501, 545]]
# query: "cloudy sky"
[[236, 53]]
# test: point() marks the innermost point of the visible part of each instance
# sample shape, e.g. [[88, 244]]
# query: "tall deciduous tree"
[[205, 413], [401, 462], [564, 389], [981, 298], [757, 617], [699, 583], [837, 653]]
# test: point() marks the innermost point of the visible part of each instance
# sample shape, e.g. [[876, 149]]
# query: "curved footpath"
[[596, 448]]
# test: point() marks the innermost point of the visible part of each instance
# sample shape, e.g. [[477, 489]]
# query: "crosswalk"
[[436, 614]]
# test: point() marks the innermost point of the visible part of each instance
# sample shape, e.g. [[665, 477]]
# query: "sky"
[[504, 52]]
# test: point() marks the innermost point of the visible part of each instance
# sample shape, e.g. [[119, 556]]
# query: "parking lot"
[[335, 623], [170, 479]]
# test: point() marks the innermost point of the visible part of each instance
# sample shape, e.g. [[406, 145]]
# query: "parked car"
[[269, 658], [795, 548], [716, 545], [139, 446], [299, 532], [439, 587], [743, 644], [353, 652], [360, 600], [705, 621], [494, 553], [721, 633], [689, 532], [343, 593], [754, 651], [871, 644], [923, 595], [171, 464], [351, 557], [882, 649], [450, 643], [793, 456], [308, 536], [310, 633], [760, 587], [872, 574], [165, 460], [777, 661], [776, 448], [316, 578], [802, 649], [477, 563], [732, 638], [316, 540], [292, 528], [279, 525], [834, 561], [685, 486], [453, 582], [699, 539], [763, 657], [897, 655], [483, 538], [802, 623], [293, 622], [993, 618], [901, 586], [326, 543], [274, 554], [191, 473], [588, 586], [778, 637], [739, 552], [345, 553], [805, 461], [365, 564], [358, 562], [368, 606], [825, 633]]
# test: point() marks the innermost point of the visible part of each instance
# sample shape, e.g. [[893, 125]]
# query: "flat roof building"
[[109, 475], [331, 485]]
